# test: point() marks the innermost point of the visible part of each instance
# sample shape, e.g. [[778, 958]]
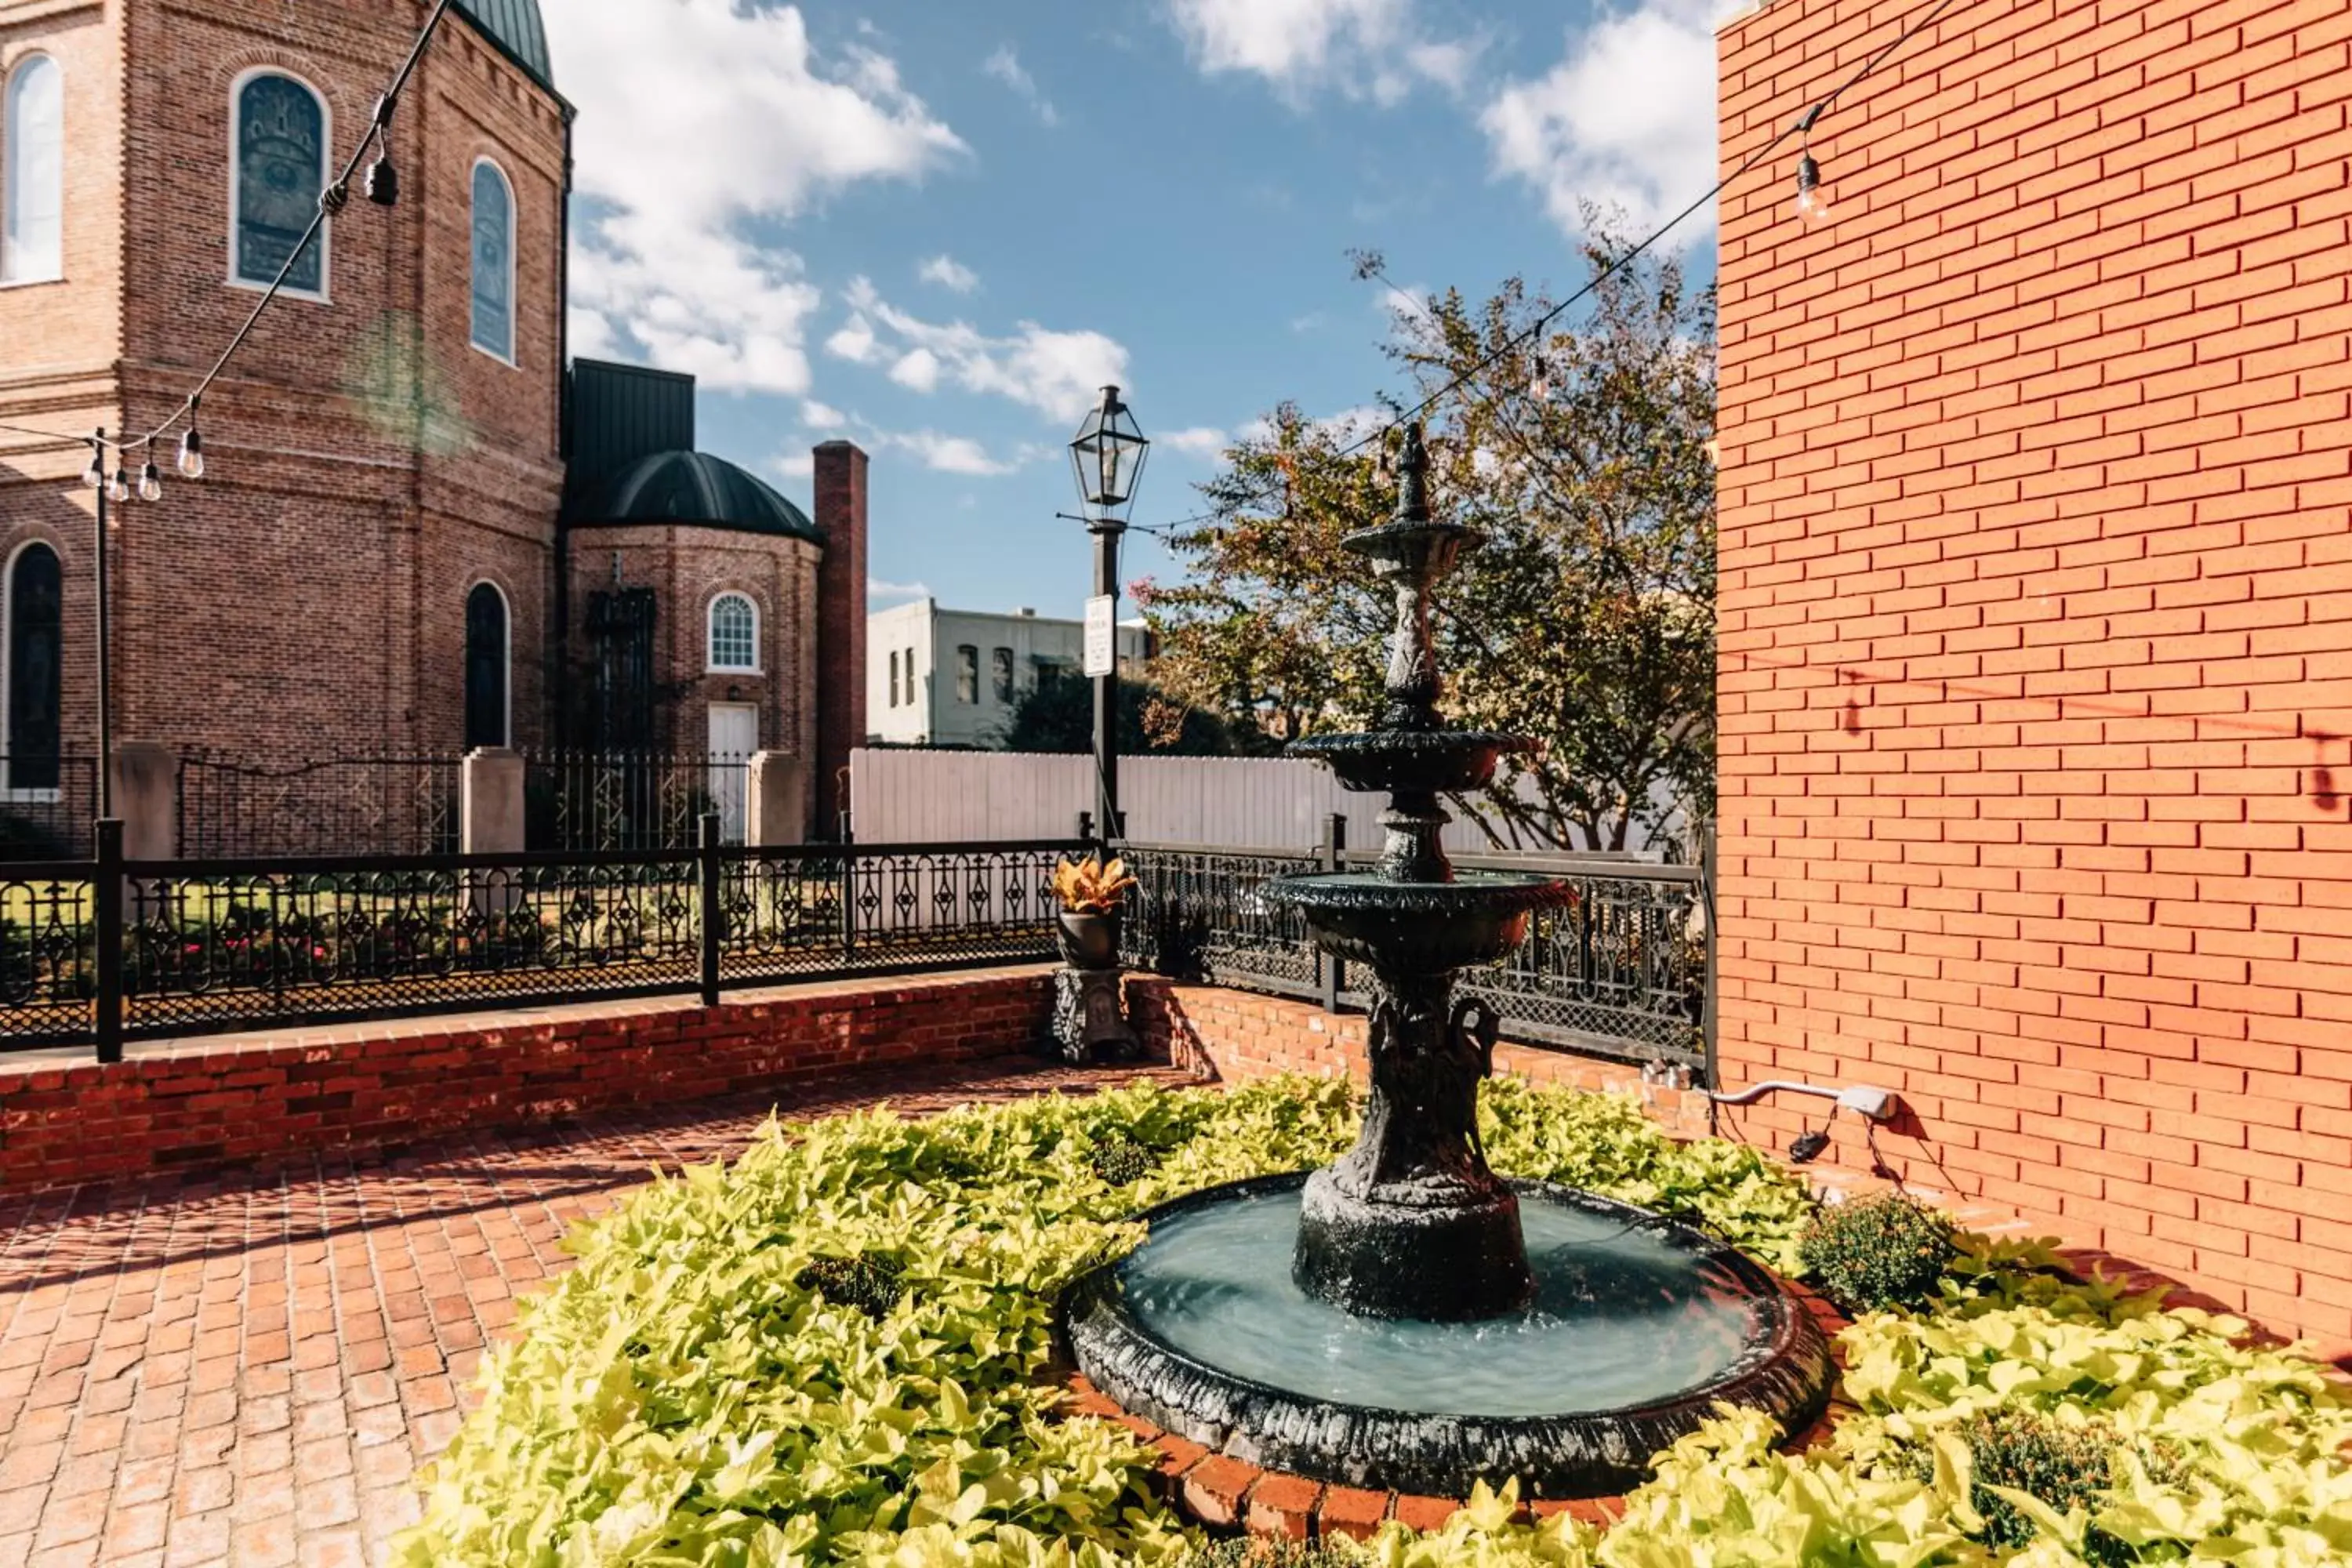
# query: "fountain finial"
[[1412, 472]]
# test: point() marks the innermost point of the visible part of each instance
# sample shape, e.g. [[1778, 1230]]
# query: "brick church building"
[[423, 528]]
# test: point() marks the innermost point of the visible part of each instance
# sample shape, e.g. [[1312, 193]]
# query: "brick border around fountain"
[[1224, 1493]]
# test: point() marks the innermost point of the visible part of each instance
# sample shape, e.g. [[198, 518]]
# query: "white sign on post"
[[1102, 637]]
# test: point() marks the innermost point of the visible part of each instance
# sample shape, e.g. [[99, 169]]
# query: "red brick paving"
[[248, 1371]]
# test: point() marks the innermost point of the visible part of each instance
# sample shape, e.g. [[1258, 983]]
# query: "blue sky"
[[935, 227]]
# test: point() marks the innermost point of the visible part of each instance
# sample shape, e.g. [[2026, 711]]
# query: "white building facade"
[[953, 677]]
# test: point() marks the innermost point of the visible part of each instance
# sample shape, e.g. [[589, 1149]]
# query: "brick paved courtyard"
[[250, 1371]]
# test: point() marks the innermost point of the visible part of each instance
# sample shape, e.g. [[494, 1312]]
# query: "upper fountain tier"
[[1414, 912]]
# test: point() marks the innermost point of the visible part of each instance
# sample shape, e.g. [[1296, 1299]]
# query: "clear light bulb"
[[120, 489], [151, 482], [95, 475], [192, 455], [1812, 201]]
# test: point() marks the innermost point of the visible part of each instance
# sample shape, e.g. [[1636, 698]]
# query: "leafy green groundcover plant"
[[694, 1392]]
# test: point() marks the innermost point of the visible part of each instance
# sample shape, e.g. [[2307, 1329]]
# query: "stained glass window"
[[493, 261], [282, 167], [36, 623], [33, 182]]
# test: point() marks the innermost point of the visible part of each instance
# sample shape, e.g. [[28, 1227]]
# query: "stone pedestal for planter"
[[1090, 1013]]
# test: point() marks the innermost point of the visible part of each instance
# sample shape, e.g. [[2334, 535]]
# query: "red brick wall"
[[840, 625], [236, 1103], [2036, 597], [1235, 1036]]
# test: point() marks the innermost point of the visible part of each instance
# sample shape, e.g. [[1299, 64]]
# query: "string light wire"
[[330, 201]]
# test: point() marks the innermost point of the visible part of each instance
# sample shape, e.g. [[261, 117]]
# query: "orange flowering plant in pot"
[[1091, 892]]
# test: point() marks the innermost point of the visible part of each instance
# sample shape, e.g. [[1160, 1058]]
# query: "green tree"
[[1059, 716], [1583, 452]]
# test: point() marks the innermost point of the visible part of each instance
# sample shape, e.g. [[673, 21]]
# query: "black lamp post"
[[1109, 457]]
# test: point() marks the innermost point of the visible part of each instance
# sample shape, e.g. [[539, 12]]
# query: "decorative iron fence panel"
[[640, 801], [1622, 973], [49, 975], [214, 945], [351, 805], [47, 806]]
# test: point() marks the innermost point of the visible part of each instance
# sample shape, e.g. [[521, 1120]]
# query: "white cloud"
[[917, 370], [1361, 49], [1059, 373], [1005, 67], [822, 417], [666, 256], [793, 465], [1199, 441], [950, 273], [1626, 118], [877, 589], [945, 454]]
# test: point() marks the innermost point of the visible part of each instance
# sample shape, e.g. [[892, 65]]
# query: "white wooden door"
[[734, 736]]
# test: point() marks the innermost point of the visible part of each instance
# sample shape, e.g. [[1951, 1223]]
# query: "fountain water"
[[1386, 1321]]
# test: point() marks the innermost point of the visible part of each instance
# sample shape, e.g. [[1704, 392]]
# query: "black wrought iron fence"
[[1622, 973], [643, 801], [343, 806], [108, 950], [47, 806]]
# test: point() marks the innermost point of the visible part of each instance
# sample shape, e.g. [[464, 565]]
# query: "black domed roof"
[[515, 26], [694, 489]]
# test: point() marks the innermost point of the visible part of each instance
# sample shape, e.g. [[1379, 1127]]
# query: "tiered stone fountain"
[[1386, 1322]]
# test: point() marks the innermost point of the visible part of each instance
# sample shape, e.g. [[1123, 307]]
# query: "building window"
[[894, 678], [493, 261], [486, 668], [967, 674], [734, 635], [36, 627], [33, 182], [1001, 675], [275, 178]]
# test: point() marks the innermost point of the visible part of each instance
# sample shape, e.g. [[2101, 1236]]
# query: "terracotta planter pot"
[[1088, 940]]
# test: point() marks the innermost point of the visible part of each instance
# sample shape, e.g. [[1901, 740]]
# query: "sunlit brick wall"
[[2037, 614]]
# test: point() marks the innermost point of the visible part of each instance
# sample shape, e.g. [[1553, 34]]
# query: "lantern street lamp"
[[1108, 458]]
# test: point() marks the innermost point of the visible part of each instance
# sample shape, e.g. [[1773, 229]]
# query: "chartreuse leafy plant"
[[837, 1351]]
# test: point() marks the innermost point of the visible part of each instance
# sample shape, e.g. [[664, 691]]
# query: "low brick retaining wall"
[[250, 1099], [1237, 1036]]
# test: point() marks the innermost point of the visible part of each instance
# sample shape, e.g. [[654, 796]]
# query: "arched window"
[[734, 634], [35, 626], [486, 668], [274, 177], [33, 184], [999, 675], [493, 261]]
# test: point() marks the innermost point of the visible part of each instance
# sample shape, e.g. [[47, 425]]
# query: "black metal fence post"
[[106, 914], [1333, 856], [714, 913], [848, 894]]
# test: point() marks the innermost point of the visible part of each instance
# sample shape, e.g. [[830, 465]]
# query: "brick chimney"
[[840, 625]]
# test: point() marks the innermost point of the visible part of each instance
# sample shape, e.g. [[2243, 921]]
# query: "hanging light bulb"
[[383, 175], [192, 449], [95, 475], [150, 479], [1812, 201], [1540, 387], [119, 490]]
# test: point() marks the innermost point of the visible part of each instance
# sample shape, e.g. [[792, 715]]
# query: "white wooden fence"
[[944, 797]]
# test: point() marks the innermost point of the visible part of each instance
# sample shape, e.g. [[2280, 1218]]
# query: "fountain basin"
[[1638, 1329], [1420, 928], [1427, 762]]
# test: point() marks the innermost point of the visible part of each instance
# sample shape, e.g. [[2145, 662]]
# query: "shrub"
[[1887, 1250], [1120, 1160], [872, 1285]]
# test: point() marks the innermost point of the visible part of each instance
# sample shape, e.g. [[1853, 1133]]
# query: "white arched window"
[[734, 635], [279, 135], [33, 184], [494, 208]]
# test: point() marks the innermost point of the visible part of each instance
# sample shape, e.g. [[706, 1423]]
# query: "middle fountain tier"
[[1412, 1223]]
